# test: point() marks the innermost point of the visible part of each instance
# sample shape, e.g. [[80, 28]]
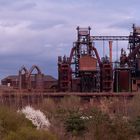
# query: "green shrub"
[[75, 124], [14, 126], [10, 120]]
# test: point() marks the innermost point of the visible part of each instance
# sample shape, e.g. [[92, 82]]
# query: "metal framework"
[[23, 78], [29, 81], [84, 52], [109, 38], [64, 73], [134, 47], [85, 71], [75, 66], [107, 77], [90, 80], [83, 46], [37, 78]]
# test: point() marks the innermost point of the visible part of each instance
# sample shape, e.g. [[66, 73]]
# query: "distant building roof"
[[49, 78], [11, 77], [16, 78]]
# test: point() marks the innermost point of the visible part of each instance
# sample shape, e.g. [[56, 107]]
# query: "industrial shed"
[[49, 82]]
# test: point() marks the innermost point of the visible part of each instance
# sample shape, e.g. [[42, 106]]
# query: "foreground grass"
[[14, 126], [109, 120], [72, 119]]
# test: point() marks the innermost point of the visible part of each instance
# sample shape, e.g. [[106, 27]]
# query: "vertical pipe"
[[117, 79], [110, 51], [103, 48], [19, 80], [117, 50]]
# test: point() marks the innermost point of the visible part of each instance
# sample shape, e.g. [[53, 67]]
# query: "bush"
[[102, 127], [75, 124], [14, 126], [10, 120]]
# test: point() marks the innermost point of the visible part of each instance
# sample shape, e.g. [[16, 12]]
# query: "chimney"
[[110, 51]]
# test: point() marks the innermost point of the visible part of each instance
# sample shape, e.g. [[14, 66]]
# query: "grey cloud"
[[8, 2], [125, 24], [16, 4], [37, 31], [45, 24], [25, 6], [8, 24]]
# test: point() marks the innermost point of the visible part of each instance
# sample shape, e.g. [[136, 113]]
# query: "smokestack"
[[110, 51]]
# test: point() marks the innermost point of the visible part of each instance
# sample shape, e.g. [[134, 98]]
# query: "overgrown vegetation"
[[111, 119], [14, 126], [73, 119], [75, 124]]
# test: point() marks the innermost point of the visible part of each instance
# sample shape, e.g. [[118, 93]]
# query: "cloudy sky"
[[38, 31]]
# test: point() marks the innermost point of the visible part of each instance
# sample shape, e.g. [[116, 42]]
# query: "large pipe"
[[71, 54], [97, 56], [110, 51]]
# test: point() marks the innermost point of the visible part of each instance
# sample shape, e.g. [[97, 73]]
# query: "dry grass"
[[111, 118]]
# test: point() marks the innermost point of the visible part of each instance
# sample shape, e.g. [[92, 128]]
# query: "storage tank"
[[122, 80]]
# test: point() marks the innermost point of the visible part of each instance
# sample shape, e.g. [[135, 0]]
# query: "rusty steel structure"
[[25, 79], [64, 73], [84, 66], [85, 71], [32, 80], [76, 69], [38, 85]]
